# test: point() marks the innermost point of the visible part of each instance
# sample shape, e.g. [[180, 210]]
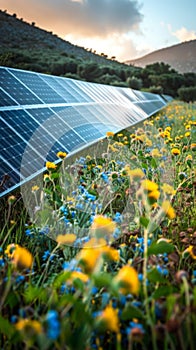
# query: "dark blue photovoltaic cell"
[[21, 122], [38, 86], [75, 90], [17, 90], [26, 126], [62, 91], [5, 100], [70, 115], [8, 176], [12, 146], [71, 141], [149, 108], [129, 94], [88, 132], [40, 114]]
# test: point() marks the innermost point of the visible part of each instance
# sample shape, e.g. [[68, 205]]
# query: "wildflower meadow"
[[106, 257]]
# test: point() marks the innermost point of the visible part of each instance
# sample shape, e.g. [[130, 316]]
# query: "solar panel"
[[41, 115]]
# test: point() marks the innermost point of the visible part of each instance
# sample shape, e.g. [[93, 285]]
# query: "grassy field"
[[107, 259]]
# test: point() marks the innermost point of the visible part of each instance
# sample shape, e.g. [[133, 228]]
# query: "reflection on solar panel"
[[41, 115]]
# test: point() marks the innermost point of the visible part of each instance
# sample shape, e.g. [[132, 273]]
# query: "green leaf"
[[12, 299], [154, 276], [62, 278], [160, 248], [6, 328], [102, 280], [131, 312], [55, 175], [32, 293], [163, 291], [189, 163], [153, 163], [144, 221]]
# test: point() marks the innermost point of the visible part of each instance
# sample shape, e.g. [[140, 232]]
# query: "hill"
[[181, 57], [16, 34]]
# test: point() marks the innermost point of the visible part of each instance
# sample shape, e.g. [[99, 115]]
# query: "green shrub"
[[187, 94]]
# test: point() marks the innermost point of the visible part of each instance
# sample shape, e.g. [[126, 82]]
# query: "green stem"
[[145, 289], [44, 273], [188, 304], [7, 288]]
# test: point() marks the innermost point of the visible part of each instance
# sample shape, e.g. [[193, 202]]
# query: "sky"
[[126, 29]]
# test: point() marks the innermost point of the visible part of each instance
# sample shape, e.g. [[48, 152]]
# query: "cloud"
[[120, 46], [86, 18], [183, 34], [103, 25]]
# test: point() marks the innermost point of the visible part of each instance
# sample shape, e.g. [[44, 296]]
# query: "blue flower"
[[162, 271], [45, 230], [2, 263], [118, 217], [20, 279], [46, 255], [53, 329], [104, 176], [28, 232], [94, 290]]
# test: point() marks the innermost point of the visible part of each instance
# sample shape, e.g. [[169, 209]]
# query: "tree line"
[[157, 78]]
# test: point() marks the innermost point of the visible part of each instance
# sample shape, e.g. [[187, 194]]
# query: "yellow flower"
[[119, 135], [189, 157], [168, 189], [135, 174], [148, 142], [193, 146], [61, 155], [187, 134], [192, 251], [149, 186], [11, 199], [166, 133], [127, 280], [118, 144], [29, 326], [175, 151], [154, 195], [162, 134], [132, 136], [103, 226], [88, 157], [110, 134], [10, 250], [89, 258], [78, 275], [67, 239], [187, 127], [20, 256], [12, 222], [168, 210], [35, 188], [46, 177], [50, 165], [109, 319], [155, 153], [110, 253], [112, 148]]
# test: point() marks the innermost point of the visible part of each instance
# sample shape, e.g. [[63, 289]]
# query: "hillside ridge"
[[181, 57], [16, 33]]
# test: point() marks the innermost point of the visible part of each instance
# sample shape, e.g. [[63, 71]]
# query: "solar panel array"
[[41, 115]]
